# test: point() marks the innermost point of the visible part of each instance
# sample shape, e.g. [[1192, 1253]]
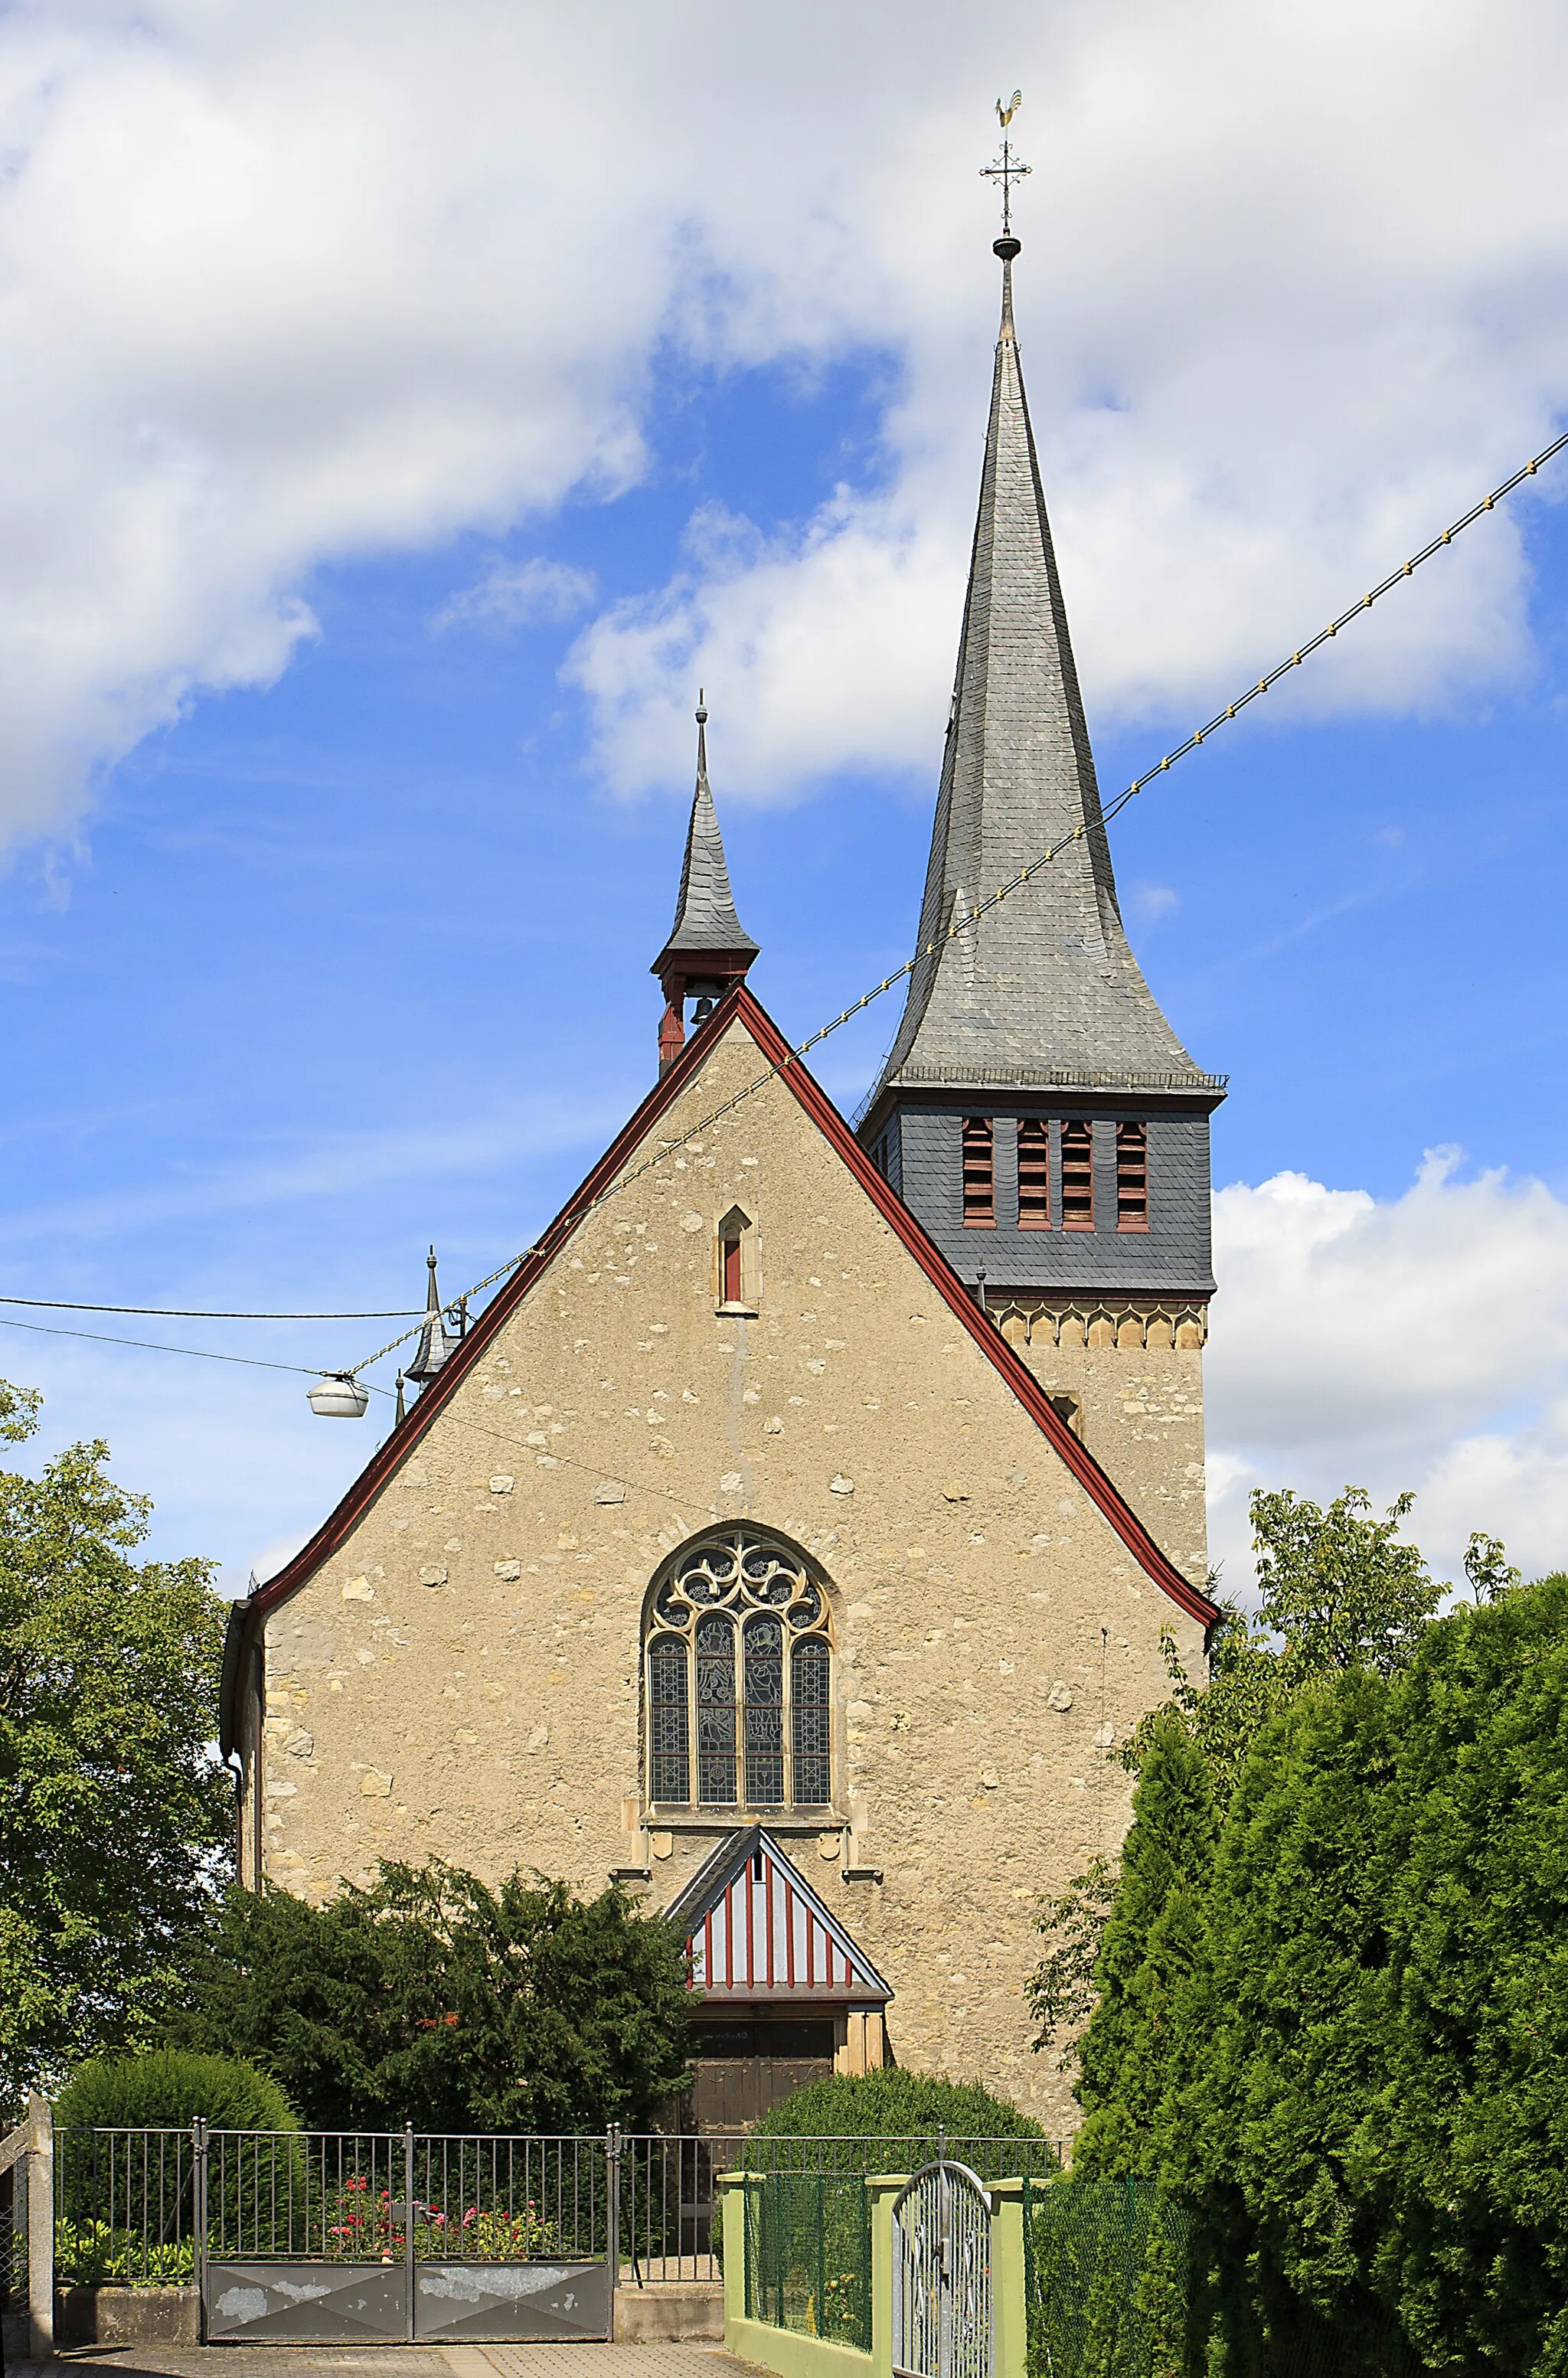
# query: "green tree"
[[1336, 1590], [1153, 1956], [431, 1999], [114, 1807]]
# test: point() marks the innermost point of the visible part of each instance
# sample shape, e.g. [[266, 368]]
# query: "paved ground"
[[382, 2361]]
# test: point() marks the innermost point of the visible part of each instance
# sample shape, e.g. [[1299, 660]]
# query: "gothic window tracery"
[[738, 1672]]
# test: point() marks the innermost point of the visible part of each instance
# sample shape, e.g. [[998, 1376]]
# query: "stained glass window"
[[764, 1711], [715, 1711], [669, 1727], [811, 1719], [739, 1666]]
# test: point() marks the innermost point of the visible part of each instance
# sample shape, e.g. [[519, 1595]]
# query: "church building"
[[792, 1537]]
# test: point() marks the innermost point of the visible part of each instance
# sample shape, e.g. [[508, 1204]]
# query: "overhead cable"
[[1015, 883], [156, 1346], [194, 1313]]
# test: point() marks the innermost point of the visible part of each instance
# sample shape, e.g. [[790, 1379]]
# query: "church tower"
[[1037, 1113]]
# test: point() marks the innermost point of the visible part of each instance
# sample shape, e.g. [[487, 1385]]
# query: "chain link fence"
[[808, 2255]]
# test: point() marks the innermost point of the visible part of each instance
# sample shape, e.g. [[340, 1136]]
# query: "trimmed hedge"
[[168, 2089]]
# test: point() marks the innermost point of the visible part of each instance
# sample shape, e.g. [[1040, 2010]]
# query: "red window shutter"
[[1131, 1176], [980, 1174], [1077, 1176], [1034, 1176], [730, 1252]]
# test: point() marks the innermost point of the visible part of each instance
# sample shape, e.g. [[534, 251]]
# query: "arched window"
[[740, 1672]]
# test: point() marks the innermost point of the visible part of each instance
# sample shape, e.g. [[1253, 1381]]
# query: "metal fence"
[[143, 2208], [808, 2255]]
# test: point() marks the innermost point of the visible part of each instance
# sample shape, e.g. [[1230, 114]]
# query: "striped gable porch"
[[756, 1932]]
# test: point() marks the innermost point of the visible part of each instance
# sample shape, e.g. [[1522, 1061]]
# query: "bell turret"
[[709, 948]]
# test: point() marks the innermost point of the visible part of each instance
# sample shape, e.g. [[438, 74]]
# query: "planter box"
[[128, 2316]]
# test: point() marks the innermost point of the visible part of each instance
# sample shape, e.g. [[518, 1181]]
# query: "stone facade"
[[456, 1669]]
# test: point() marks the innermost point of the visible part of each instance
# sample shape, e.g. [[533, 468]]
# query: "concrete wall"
[[463, 1676]]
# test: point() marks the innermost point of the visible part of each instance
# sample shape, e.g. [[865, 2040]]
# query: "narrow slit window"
[[1034, 1176], [1077, 1176], [980, 1174], [1131, 1176], [736, 1280]]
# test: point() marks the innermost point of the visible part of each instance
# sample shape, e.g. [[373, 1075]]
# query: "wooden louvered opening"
[[980, 1174], [1034, 1176], [1077, 1176], [1133, 1176]]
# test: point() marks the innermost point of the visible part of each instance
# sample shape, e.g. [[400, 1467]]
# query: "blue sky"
[[326, 930]]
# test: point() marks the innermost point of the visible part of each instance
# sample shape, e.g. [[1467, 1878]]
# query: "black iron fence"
[[145, 2207]]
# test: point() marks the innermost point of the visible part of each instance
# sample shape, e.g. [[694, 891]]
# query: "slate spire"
[[1045, 987], [708, 948]]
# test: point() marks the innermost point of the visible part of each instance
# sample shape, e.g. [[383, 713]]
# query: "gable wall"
[[461, 1678]]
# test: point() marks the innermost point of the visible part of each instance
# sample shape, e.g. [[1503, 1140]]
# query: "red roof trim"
[[740, 1005]]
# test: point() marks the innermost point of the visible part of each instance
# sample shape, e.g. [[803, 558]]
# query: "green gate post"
[[1010, 2302], [734, 2187], [883, 2189]]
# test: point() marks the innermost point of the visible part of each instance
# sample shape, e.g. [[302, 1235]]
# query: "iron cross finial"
[[1007, 168]]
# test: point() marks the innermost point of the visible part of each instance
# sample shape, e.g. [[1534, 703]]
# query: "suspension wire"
[[193, 1313], [1025, 875], [156, 1346], [971, 917]]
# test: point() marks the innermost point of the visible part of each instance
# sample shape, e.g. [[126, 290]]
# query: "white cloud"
[[286, 284], [518, 595], [1420, 1341]]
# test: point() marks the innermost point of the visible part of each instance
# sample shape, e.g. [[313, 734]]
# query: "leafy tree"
[[1060, 1991], [114, 1807], [431, 1999], [1486, 1568], [1336, 1590]]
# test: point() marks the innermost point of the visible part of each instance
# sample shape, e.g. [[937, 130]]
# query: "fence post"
[[408, 2282], [883, 2189], [198, 2221], [40, 2229], [613, 2221], [733, 2189], [1009, 2301]]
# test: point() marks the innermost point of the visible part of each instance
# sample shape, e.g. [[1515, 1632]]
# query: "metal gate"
[[327, 2237], [941, 2274]]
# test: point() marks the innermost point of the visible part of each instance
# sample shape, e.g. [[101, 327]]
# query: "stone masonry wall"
[[462, 1677]]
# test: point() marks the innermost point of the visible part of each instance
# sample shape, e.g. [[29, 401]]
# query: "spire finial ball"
[[701, 707], [1007, 248]]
